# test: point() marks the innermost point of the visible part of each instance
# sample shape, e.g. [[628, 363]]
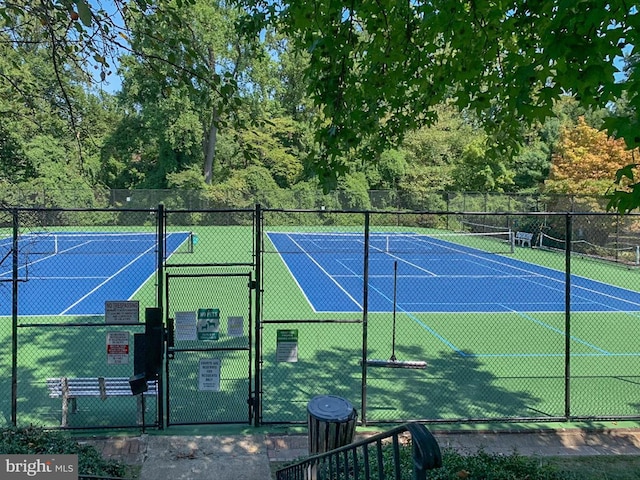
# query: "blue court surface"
[[74, 273], [428, 274]]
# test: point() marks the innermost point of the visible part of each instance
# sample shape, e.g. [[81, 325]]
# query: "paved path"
[[248, 457]]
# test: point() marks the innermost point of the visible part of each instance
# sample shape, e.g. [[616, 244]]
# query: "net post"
[[512, 241]]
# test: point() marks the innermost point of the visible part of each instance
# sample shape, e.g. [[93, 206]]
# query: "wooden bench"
[[70, 389], [524, 238]]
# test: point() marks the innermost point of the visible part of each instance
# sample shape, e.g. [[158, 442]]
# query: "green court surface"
[[479, 365]]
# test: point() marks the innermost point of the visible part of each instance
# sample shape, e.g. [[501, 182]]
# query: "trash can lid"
[[330, 408]]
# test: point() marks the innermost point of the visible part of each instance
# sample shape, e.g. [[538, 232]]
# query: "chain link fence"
[[501, 327], [308, 198], [70, 367], [506, 330]]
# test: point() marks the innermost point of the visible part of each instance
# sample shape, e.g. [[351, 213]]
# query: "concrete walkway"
[[248, 457]]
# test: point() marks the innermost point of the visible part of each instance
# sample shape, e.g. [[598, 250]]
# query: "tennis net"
[[392, 243], [98, 243], [628, 254]]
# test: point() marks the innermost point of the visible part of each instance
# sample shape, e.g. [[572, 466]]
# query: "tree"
[[624, 194], [585, 161], [276, 145], [478, 172], [90, 38], [435, 154], [43, 148], [182, 115], [378, 69]]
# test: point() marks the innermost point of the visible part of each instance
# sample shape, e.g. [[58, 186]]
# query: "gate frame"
[[170, 350]]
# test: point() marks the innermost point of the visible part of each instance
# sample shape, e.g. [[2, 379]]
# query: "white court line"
[[99, 277], [532, 274], [154, 272], [526, 274], [107, 279], [326, 273], [28, 264]]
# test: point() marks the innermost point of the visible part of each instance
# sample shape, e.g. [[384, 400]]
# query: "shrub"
[[37, 441]]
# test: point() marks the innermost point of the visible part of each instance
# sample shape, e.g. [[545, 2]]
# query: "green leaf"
[[84, 11], [625, 172]]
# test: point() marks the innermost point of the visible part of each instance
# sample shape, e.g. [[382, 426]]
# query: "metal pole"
[[567, 319], [14, 323], [365, 312], [161, 229], [257, 391], [395, 301]]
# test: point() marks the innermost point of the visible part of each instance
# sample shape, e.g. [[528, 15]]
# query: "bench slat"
[[90, 387], [102, 387]]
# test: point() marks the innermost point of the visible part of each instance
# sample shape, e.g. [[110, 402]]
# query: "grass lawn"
[[618, 467]]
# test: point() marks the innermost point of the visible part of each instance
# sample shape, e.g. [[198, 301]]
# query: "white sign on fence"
[[185, 326], [209, 375], [117, 348]]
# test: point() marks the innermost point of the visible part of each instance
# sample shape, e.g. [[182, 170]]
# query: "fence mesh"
[[507, 329], [65, 269]]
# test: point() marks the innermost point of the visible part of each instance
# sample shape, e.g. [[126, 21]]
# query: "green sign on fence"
[[208, 324]]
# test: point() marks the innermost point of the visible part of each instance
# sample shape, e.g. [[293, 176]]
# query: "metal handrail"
[[361, 460]]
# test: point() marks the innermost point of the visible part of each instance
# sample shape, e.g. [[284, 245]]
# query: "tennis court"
[[429, 279], [488, 318], [74, 273], [434, 275]]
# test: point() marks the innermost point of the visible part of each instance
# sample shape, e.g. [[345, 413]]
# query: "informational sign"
[[185, 326], [117, 348], [121, 312], [208, 324], [287, 346], [209, 375], [235, 326]]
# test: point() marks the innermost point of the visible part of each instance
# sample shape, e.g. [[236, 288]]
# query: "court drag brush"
[[393, 362]]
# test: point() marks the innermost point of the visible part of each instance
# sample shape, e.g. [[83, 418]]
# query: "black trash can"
[[332, 423]]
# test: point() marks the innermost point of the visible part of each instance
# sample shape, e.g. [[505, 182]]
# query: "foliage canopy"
[[382, 67], [197, 91]]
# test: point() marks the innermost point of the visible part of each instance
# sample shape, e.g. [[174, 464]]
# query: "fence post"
[[257, 391], [14, 321], [567, 317], [161, 227], [365, 314]]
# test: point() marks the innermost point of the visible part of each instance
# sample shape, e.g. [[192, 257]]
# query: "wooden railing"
[[377, 457]]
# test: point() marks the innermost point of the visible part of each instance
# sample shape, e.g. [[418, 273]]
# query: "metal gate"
[[209, 356]]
